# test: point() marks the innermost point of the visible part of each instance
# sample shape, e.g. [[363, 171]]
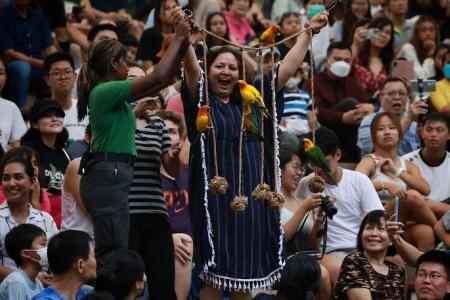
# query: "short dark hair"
[[100, 27], [67, 247], [372, 218], [394, 79], [174, 117], [435, 256], [128, 40], [290, 145], [338, 45], [56, 57], [436, 117], [300, 278], [120, 271], [327, 140], [229, 2], [19, 238]]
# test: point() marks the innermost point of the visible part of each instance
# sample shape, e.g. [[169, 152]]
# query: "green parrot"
[[250, 123], [317, 158]]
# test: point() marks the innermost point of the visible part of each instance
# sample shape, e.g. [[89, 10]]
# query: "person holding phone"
[[371, 65], [393, 176]]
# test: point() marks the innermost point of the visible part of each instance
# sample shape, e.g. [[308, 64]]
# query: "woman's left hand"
[[318, 22], [145, 105], [387, 165]]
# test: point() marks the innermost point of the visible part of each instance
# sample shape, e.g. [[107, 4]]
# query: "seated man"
[[341, 100], [354, 193], [394, 100], [433, 161], [72, 260], [25, 38], [26, 244], [432, 276]]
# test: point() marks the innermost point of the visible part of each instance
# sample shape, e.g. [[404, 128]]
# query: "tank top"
[[72, 217], [380, 176]]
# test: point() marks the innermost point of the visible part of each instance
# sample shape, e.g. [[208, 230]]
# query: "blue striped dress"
[[241, 250]]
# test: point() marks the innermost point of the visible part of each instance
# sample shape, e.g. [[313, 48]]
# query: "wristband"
[[399, 171]]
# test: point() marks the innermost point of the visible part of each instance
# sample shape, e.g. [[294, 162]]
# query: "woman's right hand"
[[312, 201], [359, 36], [429, 46], [181, 24]]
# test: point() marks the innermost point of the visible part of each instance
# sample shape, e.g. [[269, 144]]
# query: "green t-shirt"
[[112, 120]]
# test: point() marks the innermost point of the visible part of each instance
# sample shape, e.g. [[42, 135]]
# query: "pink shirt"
[[239, 29], [45, 200]]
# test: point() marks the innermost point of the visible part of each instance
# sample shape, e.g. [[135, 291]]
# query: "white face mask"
[[293, 82], [340, 68], [43, 260]]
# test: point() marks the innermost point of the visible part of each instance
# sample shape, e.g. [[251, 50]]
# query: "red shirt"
[[370, 81]]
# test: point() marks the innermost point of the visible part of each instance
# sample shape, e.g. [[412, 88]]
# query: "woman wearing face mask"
[[298, 116], [18, 178], [420, 49], [440, 99], [374, 57]]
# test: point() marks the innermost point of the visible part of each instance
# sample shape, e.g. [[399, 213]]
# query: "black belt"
[[110, 156]]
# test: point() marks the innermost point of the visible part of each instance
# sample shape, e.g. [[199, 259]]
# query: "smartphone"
[[423, 85], [403, 69], [76, 12], [396, 204], [372, 33]]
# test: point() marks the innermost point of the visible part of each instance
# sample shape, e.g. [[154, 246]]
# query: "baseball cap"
[[43, 105]]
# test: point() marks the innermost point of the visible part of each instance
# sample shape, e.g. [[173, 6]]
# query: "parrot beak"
[[241, 83]]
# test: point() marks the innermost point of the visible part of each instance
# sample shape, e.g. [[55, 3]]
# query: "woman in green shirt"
[[104, 93]]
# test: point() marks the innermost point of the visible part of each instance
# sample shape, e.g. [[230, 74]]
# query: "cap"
[[43, 105]]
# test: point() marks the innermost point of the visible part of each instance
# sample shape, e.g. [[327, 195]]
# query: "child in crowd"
[[298, 116], [26, 244]]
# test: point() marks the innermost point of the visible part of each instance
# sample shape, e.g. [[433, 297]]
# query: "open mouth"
[[396, 105], [224, 82]]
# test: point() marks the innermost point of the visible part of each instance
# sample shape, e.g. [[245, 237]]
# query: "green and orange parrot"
[[202, 122], [250, 122], [317, 158], [250, 95], [268, 36]]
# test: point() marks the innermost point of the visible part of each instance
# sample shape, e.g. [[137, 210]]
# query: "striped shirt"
[[296, 105], [146, 194]]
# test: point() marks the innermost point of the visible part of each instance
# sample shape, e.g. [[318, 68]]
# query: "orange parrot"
[[268, 36], [202, 122]]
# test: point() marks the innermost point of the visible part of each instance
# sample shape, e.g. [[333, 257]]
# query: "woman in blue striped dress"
[[236, 251]]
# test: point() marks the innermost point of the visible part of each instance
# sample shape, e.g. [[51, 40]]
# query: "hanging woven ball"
[[276, 200], [316, 184], [218, 185], [239, 203], [261, 192]]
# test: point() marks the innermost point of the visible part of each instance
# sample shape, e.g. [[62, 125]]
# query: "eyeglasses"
[[393, 94], [434, 276], [59, 73]]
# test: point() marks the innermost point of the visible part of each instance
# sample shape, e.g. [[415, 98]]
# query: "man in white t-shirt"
[[433, 161], [354, 193], [60, 77], [12, 126]]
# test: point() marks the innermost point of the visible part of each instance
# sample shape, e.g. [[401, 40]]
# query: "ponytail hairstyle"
[[99, 64]]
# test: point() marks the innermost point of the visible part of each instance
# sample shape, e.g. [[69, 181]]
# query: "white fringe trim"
[[276, 154], [211, 261], [238, 284]]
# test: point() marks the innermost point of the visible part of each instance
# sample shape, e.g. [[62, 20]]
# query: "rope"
[[313, 100], [241, 132], [213, 130], [275, 126], [261, 144]]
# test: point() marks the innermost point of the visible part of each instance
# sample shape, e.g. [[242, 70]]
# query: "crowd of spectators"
[[102, 190]]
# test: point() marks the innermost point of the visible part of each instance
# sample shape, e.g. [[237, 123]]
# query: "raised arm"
[[165, 70], [294, 58], [192, 72]]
